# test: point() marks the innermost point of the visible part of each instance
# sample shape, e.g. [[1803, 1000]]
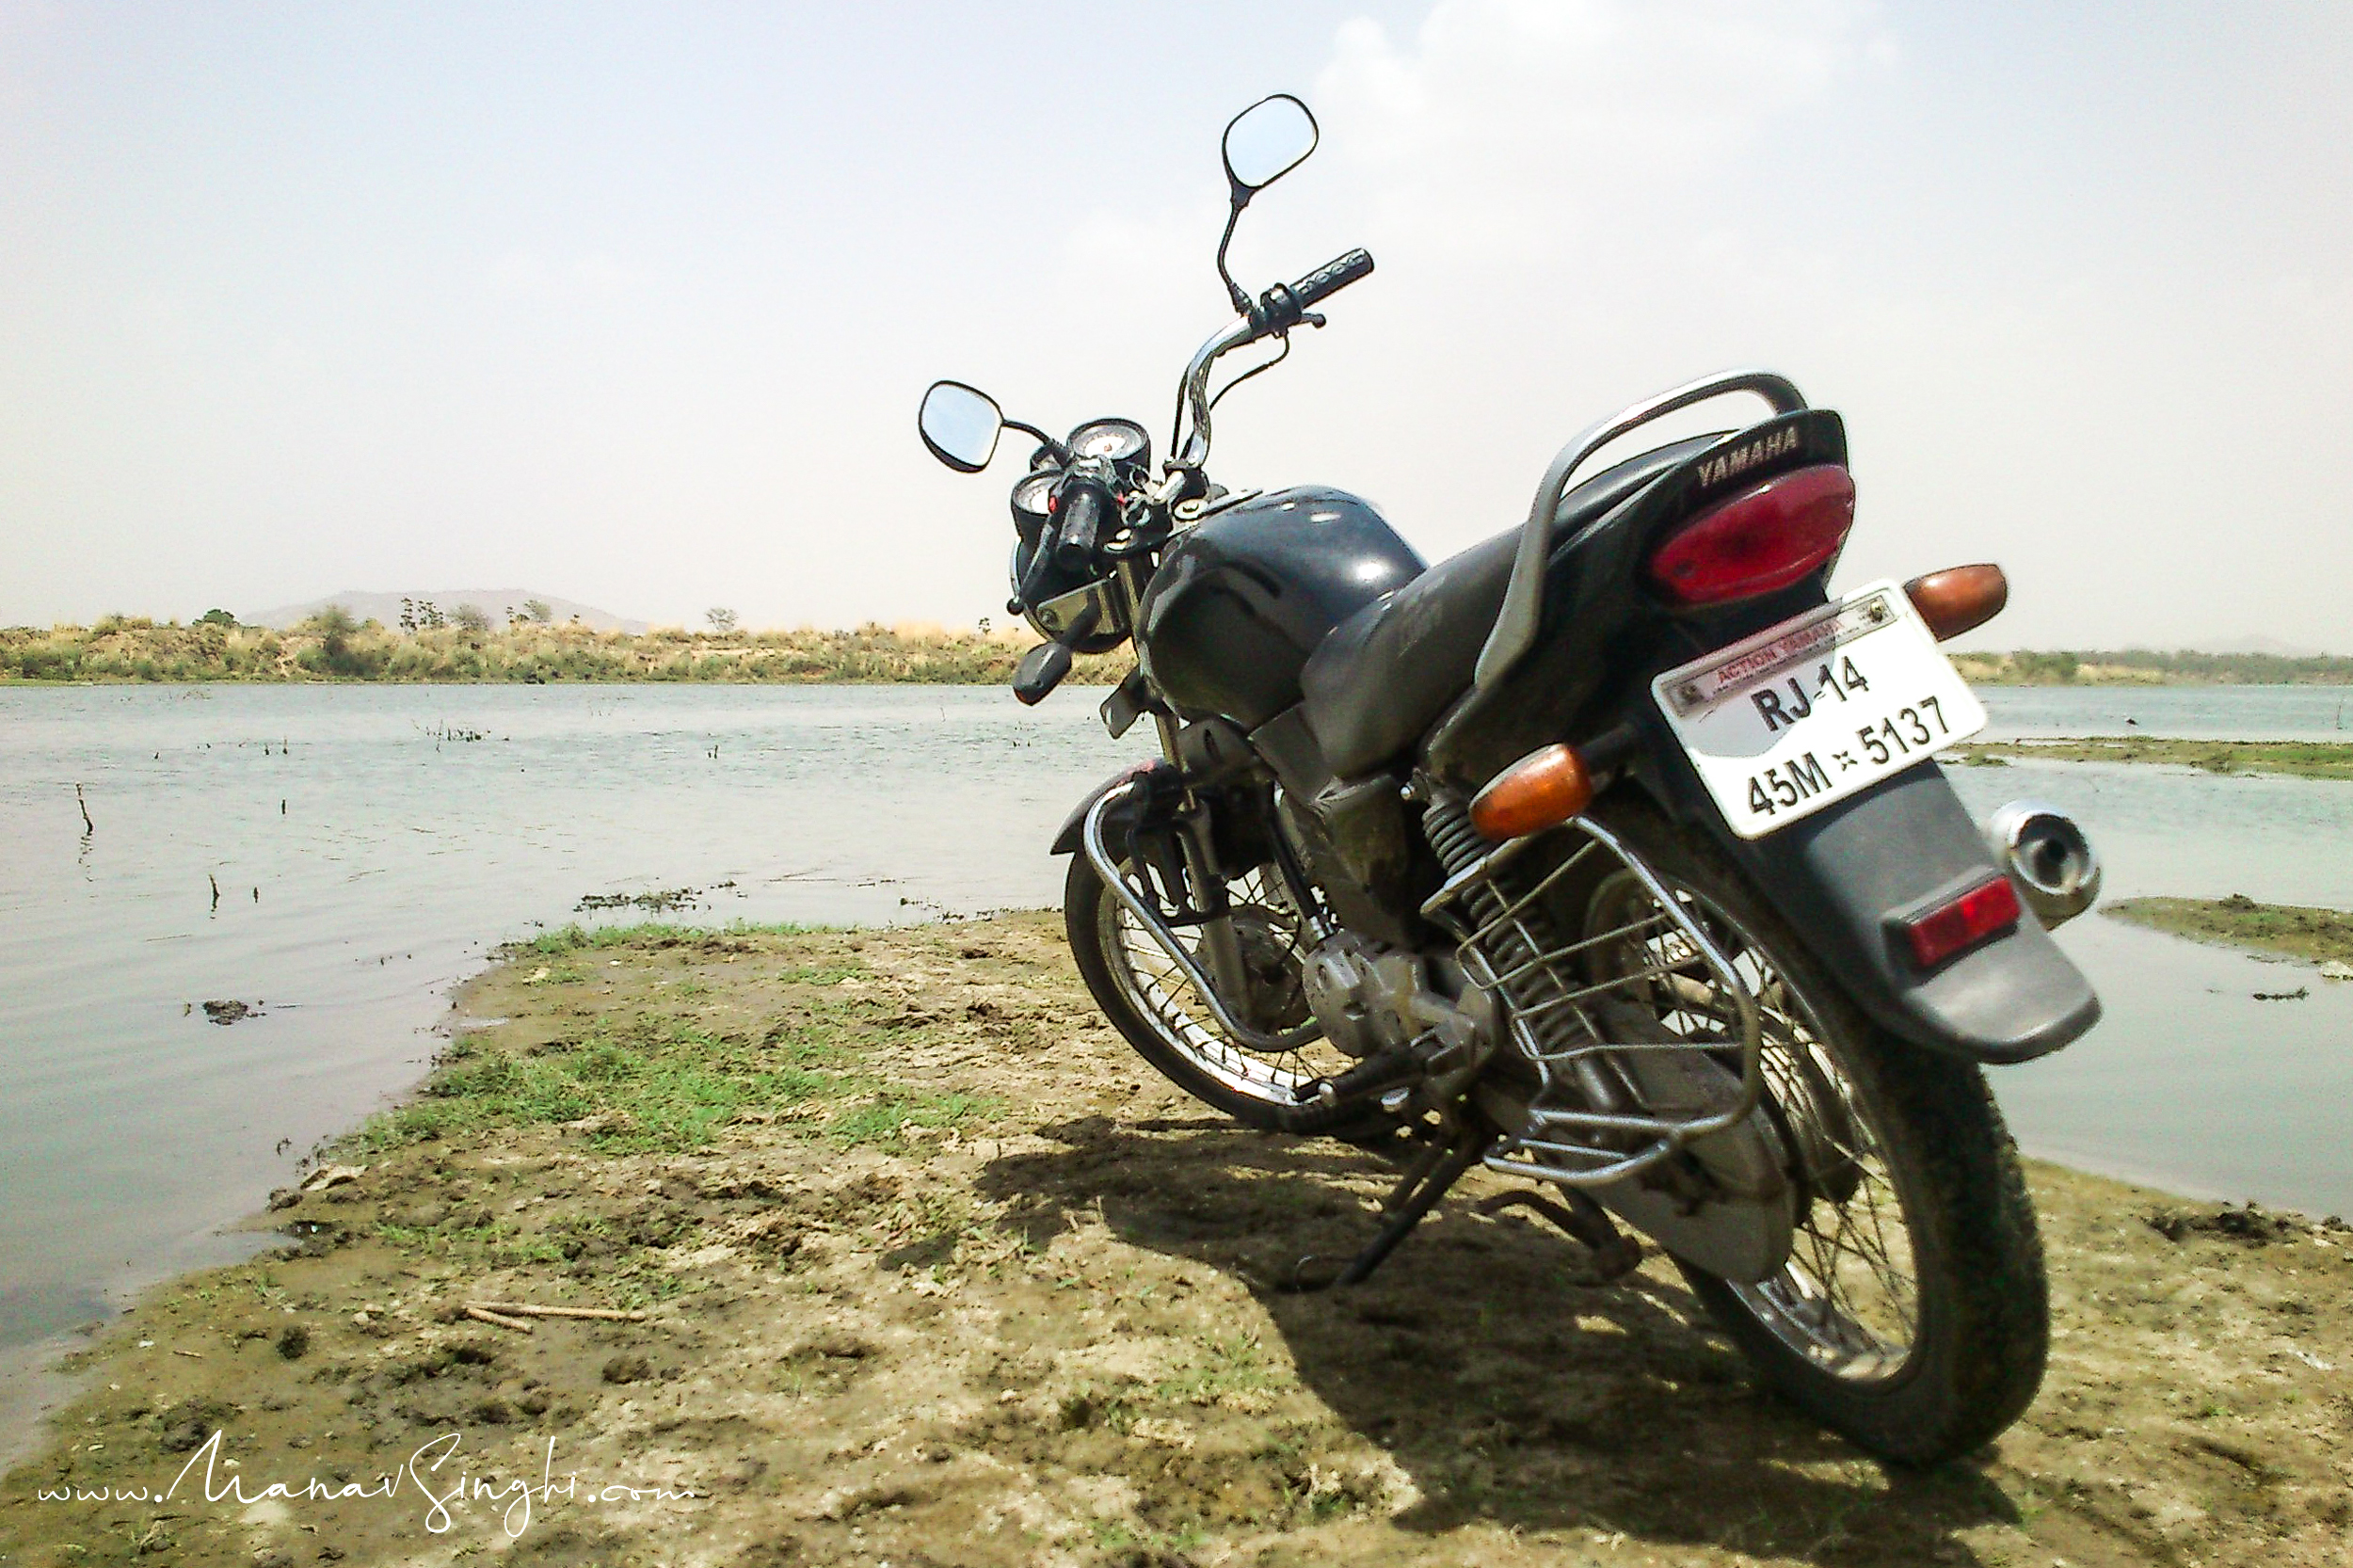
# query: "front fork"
[[1220, 945]]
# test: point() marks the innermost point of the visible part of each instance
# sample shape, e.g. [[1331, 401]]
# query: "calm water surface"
[[369, 844]]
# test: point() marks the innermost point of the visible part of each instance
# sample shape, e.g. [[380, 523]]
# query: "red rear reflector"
[[1760, 541], [1962, 923]]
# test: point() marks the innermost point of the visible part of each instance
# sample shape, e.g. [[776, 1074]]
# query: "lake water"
[[338, 857]]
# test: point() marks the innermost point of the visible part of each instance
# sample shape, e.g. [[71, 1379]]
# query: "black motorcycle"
[[1611, 854]]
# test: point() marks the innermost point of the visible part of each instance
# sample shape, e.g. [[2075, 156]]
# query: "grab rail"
[[1515, 625]]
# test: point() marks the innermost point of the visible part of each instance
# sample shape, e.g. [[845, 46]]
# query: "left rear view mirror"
[[960, 425]]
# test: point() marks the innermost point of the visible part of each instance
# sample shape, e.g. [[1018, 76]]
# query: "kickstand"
[[1615, 1254], [1439, 1168]]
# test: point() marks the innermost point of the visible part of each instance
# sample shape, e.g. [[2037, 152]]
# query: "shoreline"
[[2321, 760], [327, 652], [331, 648], [2304, 934], [919, 1243]]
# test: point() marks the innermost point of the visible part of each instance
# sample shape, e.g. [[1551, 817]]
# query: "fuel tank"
[[1241, 600]]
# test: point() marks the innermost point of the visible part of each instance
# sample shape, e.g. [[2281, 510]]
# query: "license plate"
[[1817, 708]]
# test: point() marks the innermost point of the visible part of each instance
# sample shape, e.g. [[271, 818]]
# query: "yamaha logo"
[[1718, 469]]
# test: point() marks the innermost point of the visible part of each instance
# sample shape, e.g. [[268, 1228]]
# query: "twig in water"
[[216, 882], [483, 1314], [89, 826]]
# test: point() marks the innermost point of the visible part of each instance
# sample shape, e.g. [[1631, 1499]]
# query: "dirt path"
[[933, 1272]]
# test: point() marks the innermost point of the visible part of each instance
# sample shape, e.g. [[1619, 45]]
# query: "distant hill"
[[496, 602], [2271, 646]]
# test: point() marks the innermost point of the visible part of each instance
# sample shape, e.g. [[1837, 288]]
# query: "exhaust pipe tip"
[[2047, 855]]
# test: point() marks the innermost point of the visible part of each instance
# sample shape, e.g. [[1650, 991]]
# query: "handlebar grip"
[[1332, 277], [1042, 558], [1082, 519]]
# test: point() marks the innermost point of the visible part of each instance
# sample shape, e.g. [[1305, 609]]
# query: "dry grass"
[[130, 648]]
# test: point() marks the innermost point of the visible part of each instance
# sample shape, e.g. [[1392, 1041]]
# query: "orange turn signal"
[[1541, 789], [1959, 599]]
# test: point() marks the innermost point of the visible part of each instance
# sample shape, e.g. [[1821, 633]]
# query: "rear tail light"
[[1760, 541], [1962, 923]]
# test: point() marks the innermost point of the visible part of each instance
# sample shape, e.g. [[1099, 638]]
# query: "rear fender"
[[1845, 876]]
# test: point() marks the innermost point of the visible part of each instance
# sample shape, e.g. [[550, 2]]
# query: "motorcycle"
[[1611, 854]]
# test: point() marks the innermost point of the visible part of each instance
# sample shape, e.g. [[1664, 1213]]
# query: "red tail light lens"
[[1760, 541], [1962, 923]]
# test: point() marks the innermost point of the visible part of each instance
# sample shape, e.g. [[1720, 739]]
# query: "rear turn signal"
[[1959, 599], [1541, 789], [1962, 923], [1760, 541]]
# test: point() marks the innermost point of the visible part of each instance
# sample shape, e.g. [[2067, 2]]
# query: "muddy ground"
[[2322, 937], [933, 1272]]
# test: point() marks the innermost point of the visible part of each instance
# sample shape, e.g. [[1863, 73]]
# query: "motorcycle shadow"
[[1505, 1392]]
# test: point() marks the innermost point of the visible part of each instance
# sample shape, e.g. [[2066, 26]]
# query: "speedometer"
[[1033, 497], [1118, 441]]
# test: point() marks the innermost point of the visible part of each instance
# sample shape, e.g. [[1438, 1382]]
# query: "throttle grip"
[[1332, 277], [1285, 305]]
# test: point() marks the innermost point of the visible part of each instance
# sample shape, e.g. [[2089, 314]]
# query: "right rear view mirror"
[[1267, 141]]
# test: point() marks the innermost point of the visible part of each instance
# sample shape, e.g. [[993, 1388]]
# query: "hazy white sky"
[[634, 303]]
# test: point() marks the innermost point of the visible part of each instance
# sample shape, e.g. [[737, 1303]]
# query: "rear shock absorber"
[[1516, 944]]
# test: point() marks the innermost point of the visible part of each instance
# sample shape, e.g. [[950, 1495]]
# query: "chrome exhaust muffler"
[[2046, 853]]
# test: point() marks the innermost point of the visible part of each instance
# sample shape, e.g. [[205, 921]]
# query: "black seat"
[[1375, 685]]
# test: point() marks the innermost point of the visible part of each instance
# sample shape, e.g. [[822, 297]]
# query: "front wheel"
[[1149, 1001], [1913, 1313]]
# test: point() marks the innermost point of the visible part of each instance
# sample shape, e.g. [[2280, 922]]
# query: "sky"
[[634, 303]]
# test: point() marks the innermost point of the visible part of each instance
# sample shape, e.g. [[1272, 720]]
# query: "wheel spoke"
[[1846, 1297], [1164, 994]]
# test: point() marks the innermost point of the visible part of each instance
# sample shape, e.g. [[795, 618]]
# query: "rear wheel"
[[1150, 1001], [1913, 1313]]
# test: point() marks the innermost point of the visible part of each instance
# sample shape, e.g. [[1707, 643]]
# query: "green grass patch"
[[1229, 1364], [2293, 759], [889, 1116], [820, 974], [655, 934], [650, 1083]]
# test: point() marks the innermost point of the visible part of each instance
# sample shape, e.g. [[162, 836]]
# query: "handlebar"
[[1280, 308]]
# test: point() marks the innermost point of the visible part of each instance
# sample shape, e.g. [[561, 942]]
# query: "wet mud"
[[930, 1269]]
